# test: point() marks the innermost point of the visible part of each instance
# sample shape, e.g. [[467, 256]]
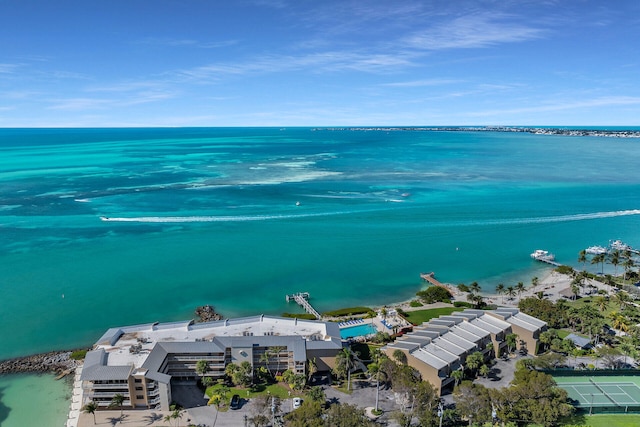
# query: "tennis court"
[[603, 393]]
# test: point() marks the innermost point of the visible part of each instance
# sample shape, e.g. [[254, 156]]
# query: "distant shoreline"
[[518, 129]]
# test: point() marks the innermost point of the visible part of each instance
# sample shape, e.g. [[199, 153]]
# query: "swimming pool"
[[357, 331]]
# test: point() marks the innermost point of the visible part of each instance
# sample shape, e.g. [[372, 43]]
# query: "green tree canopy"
[[435, 294]]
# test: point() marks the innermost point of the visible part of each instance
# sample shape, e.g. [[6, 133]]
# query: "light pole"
[[440, 412], [591, 406]]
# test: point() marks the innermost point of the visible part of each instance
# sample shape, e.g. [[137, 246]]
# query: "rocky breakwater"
[[207, 313], [57, 362]]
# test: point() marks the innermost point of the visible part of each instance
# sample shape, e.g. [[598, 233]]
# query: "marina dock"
[[546, 257], [430, 277], [302, 299]]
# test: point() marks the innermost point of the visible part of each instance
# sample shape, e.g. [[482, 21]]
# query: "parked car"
[[297, 402], [235, 402]]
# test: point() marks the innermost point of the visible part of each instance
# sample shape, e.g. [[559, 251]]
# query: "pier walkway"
[[431, 278], [548, 261], [302, 298]]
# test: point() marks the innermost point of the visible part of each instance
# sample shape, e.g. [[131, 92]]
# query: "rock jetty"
[[53, 362], [207, 313]]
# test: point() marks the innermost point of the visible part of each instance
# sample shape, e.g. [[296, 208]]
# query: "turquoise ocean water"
[[237, 218]]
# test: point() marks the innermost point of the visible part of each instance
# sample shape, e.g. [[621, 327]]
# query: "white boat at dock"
[[619, 245], [542, 255], [596, 250]]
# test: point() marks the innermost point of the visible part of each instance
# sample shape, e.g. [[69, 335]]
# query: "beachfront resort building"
[[142, 362], [440, 346]]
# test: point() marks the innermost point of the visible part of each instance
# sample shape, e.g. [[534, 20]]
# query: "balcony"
[[91, 386]]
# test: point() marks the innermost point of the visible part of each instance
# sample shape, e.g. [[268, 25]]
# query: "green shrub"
[[415, 303], [463, 288], [348, 311], [305, 316], [78, 354], [435, 294], [462, 304], [564, 269]]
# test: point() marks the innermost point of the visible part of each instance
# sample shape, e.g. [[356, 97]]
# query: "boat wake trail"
[[562, 218], [186, 219]]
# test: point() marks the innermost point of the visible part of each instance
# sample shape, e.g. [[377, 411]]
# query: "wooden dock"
[[302, 298], [548, 261], [431, 278]]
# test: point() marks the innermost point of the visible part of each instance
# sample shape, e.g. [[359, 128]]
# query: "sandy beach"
[[553, 284]]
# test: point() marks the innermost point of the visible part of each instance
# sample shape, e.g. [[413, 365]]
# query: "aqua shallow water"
[[210, 216], [33, 400]]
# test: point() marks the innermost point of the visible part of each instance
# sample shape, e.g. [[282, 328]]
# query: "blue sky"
[[319, 63]]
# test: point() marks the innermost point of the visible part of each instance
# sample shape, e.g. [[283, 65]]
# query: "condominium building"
[[440, 346], [141, 362]]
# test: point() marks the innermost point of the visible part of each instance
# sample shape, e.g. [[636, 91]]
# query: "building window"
[[139, 388], [138, 380], [139, 397]]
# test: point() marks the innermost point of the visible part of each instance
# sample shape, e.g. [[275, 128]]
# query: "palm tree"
[[582, 257], [223, 390], [457, 376], [216, 399], [511, 292], [474, 361], [384, 313], [312, 367], [500, 290], [90, 408], [628, 264], [275, 351], [202, 366], [597, 259], [575, 290], [546, 337], [484, 370], [264, 358], [347, 358], [627, 347], [400, 356], [475, 288], [520, 288], [176, 414], [511, 339], [601, 302], [614, 259], [534, 282], [623, 299], [619, 321], [117, 401], [375, 369]]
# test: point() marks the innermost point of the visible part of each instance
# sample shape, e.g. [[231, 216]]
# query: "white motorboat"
[[596, 250], [619, 245], [541, 254]]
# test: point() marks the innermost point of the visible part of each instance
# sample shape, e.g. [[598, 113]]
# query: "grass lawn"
[[277, 390], [419, 316], [605, 420]]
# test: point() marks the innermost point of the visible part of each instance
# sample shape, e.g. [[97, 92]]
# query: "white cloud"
[[474, 31], [187, 43], [427, 82], [9, 68], [609, 101]]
